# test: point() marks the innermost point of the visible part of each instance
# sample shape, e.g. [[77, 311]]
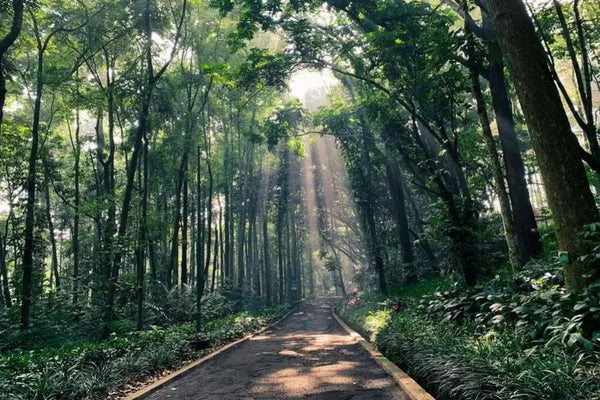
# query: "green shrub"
[[530, 342]]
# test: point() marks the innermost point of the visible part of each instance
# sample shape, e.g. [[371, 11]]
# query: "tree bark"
[[208, 216], [77, 204], [51, 236], [5, 43], [142, 245], [569, 195], [3, 253], [396, 190], [184, 230], [505, 210], [267, 260], [28, 246], [200, 254]]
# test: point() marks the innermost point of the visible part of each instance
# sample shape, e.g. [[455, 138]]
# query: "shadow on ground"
[[307, 356]]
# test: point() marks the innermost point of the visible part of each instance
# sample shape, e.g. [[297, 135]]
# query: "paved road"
[[307, 356]]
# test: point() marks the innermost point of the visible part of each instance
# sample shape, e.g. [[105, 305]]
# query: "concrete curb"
[[148, 390], [410, 387]]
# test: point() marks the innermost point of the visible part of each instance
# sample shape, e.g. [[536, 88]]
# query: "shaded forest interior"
[[186, 170]]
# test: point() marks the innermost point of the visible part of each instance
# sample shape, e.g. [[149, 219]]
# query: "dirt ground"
[[307, 356]]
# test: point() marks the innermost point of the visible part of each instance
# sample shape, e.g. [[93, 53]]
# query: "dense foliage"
[[529, 346], [167, 162]]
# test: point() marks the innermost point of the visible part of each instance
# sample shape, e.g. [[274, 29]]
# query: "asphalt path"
[[306, 356]]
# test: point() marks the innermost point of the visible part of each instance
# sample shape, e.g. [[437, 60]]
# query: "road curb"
[[410, 387], [148, 390]]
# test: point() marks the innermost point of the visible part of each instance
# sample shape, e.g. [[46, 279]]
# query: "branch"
[[15, 28], [174, 49]]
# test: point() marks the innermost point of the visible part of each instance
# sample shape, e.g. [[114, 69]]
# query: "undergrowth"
[[532, 341], [92, 370]]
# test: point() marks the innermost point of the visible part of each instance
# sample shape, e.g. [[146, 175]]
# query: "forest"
[[176, 174]]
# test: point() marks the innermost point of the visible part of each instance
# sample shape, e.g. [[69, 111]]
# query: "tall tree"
[[5, 43], [557, 150]]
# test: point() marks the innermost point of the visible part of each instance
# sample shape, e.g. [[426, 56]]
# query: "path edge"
[[410, 387], [148, 390]]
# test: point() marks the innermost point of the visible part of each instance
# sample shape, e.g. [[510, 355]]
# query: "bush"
[[547, 315], [528, 342]]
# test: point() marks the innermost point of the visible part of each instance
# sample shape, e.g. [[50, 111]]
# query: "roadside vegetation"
[[526, 339], [92, 369]]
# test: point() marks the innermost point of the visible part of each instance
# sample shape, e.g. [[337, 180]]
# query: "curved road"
[[307, 356]]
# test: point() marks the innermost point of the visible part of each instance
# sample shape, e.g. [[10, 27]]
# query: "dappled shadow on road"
[[308, 356]]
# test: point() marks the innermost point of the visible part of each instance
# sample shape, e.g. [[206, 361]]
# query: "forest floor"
[[307, 356]]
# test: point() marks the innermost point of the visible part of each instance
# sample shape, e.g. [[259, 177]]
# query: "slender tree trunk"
[[5, 43], [281, 220], [368, 206], [569, 195], [3, 266], [396, 189], [51, 236], [28, 246], [582, 80], [200, 255], [505, 211], [192, 240], [267, 260], [208, 217], [142, 245], [125, 210], [77, 204], [215, 261], [221, 247], [175, 240], [184, 230], [529, 241]]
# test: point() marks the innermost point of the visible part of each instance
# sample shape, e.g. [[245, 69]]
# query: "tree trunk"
[[3, 267], [28, 246], [267, 260], [5, 43], [184, 230], [528, 238], [200, 254], [175, 240], [51, 236], [76, 211], [396, 189], [192, 240], [142, 245], [368, 206], [208, 217], [505, 211], [215, 261], [569, 195]]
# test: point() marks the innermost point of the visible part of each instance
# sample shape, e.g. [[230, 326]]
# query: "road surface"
[[307, 356]]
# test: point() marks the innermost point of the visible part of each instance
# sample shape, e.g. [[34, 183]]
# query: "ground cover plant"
[[533, 342], [95, 369]]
